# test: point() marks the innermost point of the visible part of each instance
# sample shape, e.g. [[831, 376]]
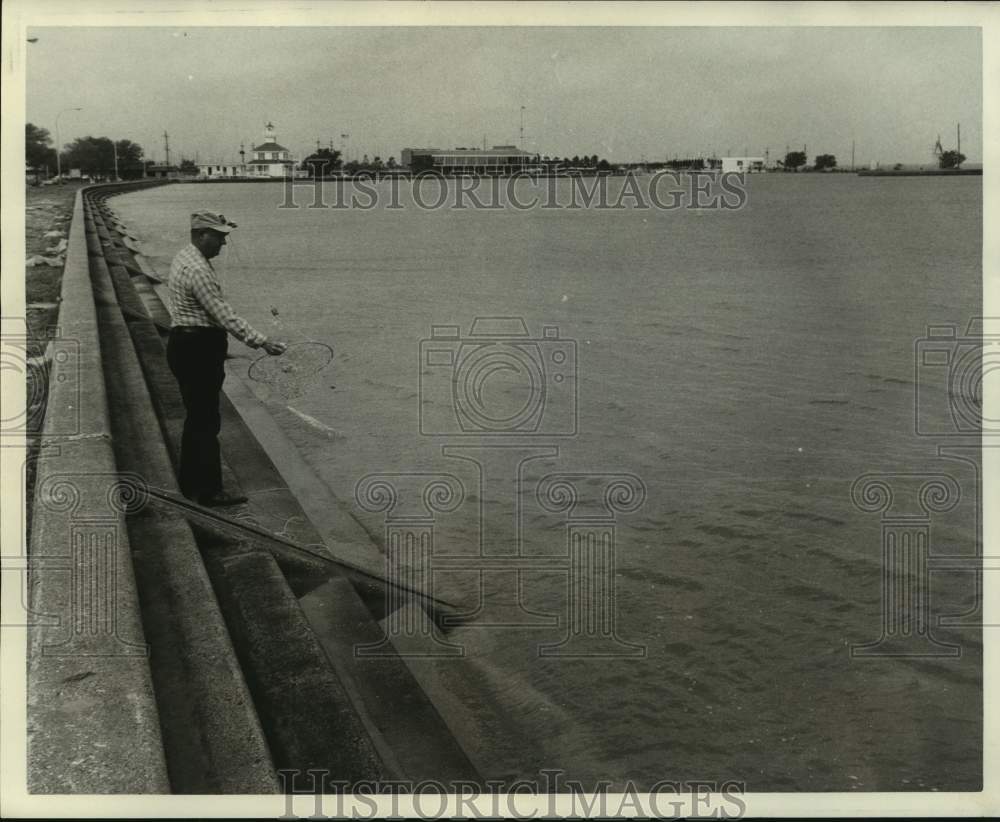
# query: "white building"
[[216, 170], [743, 165], [270, 159]]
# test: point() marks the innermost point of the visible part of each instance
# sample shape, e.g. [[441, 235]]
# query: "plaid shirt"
[[196, 298]]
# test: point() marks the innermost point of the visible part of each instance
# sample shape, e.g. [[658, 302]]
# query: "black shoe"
[[221, 500]]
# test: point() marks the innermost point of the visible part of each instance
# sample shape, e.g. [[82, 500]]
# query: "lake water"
[[747, 366]]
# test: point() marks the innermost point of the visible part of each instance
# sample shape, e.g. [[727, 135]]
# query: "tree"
[[951, 159], [825, 161], [794, 159], [130, 155], [92, 155], [321, 162], [391, 163], [38, 151], [421, 162], [187, 166]]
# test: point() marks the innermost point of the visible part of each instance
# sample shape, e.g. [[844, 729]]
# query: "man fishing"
[[196, 352]]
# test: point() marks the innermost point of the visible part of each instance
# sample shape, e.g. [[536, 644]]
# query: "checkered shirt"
[[196, 298]]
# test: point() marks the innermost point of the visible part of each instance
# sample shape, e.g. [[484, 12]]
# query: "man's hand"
[[274, 347]]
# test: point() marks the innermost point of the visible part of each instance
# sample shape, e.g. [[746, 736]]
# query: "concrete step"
[[212, 736], [400, 716], [287, 496], [308, 719], [93, 725]]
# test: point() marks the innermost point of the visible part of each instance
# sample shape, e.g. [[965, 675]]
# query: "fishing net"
[[299, 369], [293, 373]]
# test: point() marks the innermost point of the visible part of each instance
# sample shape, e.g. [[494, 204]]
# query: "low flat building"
[[496, 160], [216, 170], [743, 165], [164, 171]]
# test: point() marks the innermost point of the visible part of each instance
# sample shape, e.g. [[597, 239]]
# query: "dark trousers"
[[197, 358]]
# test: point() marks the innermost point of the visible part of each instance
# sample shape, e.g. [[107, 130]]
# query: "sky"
[[623, 93]]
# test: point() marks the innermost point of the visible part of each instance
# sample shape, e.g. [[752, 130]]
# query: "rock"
[[40, 259]]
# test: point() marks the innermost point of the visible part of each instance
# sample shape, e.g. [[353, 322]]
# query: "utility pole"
[[852, 155], [114, 148], [166, 146], [959, 138], [317, 146], [521, 144]]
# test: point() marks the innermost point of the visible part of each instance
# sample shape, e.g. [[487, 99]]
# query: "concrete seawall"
[[88, 671], [181, 660]]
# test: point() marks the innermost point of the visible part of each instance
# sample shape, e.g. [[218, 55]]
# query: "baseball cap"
[[209, 219]]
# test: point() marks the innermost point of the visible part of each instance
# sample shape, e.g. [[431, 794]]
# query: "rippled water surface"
[[747, 367]]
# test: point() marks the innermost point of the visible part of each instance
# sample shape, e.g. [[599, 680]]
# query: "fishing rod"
[[218, 521]]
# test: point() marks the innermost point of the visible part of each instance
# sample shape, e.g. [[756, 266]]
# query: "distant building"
[[497, 160], [164, 171], [743, 165], [270, 159], [215, 170]]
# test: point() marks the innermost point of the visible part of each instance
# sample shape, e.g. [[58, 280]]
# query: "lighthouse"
[[270, 158]]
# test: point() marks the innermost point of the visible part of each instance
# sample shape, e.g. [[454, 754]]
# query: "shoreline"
[[931, 172]]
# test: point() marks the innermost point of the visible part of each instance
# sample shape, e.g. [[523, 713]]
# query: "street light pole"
[[59, 143], [114, 147]]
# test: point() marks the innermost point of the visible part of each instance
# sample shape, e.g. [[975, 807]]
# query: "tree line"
[[796, 160], [94, 156]]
